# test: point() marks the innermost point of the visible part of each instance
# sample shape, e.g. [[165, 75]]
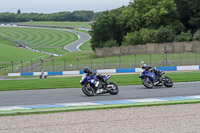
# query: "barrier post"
[[91, 62], [53, 64], [165, 58], [22, 67], [180, 58], [77, 63], [65, 65], [41, 64], [135, 60], [104, 62], [120, 61], [31, 66], [12, 64], [150, 60]]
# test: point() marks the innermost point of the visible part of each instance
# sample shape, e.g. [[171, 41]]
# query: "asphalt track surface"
[[74, 46], [72, 95]]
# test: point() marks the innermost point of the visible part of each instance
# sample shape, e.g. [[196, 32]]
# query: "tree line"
[[60, 16], [147, 21]]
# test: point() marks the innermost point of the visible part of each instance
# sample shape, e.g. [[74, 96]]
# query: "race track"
[[71, 95], [74, 46]]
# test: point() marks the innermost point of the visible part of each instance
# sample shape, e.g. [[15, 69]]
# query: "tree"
[[189, 11], [60, 16], [107, 27], [152, 14], [18, 11]]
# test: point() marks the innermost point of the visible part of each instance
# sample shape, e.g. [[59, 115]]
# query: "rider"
[[99, 76], [92, 73], [89, 72], [153, 69]]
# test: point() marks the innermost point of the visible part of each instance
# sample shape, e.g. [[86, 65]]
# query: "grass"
[[86, 46], [11, 53], [60, 24], [73, 82], [48, 40], [93, 107]]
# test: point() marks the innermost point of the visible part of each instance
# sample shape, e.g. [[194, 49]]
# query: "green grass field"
[[10, 53], [73, 82], [86, 46], [48, 40], [60, 24]]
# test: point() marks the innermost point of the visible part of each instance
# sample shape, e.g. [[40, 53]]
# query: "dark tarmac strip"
[[72, 95]]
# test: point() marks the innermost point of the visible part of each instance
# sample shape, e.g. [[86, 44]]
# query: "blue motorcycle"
[[97, 84], [149, 79]]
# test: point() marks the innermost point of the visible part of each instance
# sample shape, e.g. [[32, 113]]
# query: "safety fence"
[[131, 61], [108, 71]]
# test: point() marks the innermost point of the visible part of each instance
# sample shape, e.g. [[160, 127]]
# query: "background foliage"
[[60, 16], [148, 21]]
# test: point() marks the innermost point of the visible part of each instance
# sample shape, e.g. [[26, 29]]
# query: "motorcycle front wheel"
[[168, 82], [88, 89], [114, 90], [147, 84]]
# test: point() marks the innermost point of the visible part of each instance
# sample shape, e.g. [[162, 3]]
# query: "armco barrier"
[[107, 71]]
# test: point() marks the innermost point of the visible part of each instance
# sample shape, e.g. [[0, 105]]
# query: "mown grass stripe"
[[40, 37]]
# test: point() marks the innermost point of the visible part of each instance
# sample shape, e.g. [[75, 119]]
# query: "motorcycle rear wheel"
[[168, 82], [88, 90], [114, 90], [149, 84]]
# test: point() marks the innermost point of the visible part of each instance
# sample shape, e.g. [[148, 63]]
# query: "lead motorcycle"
[[149, 79], [93, 84]]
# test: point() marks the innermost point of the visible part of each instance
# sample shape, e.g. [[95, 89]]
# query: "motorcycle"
[[149, 79], [92, 85], [43, 75]]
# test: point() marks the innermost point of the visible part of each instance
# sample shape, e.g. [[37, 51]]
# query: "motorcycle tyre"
[[86, 93], [166, 84], [115, 91], [148, 87]]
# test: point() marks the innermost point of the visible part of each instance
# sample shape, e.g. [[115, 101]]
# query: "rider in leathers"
[[99, 76], [153, 69]]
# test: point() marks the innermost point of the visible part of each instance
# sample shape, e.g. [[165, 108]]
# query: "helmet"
[[86, 70], [144, 66]]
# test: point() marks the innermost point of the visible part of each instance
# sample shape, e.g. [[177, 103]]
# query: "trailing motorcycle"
[[149, 79], [93, 84], [43, 75]]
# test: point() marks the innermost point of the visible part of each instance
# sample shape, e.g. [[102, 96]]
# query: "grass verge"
[[73, 82], [95, 107]]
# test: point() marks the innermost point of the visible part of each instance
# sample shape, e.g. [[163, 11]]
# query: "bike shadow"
[[155, 87]]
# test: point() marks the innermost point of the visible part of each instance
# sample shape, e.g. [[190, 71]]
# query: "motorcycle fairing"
[[148, 75]]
